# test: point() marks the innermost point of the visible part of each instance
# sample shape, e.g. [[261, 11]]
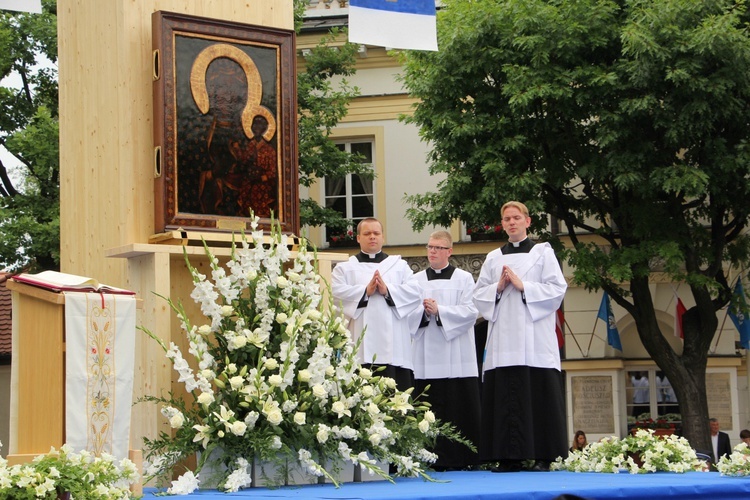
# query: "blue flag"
[[398, 24], [605, 314], [739, 317]]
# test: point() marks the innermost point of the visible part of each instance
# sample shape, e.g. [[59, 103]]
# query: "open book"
[[62, 282]]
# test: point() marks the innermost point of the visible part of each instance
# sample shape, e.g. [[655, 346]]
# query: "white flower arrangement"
[[637, 454], [80, 475], [736, 464], [272, 376]]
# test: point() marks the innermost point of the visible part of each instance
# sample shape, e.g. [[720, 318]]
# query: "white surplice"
[[521, 330], [447, 350], [386, 330]]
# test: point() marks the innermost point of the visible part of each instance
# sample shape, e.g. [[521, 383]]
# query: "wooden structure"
[[107, 164]]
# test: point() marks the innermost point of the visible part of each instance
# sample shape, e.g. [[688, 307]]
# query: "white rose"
[[251, 275], [322, 435], [275, 380], [300, 417], [389, 382], [373, 409], [367, 391], [206, 398], [238, 428], [303, 376], [424, 426], [293, 277], [281, 318], [365, 373], [204, 330], [208, 374], [282, 281], [341, 329], [330, 371], [226, 311], [319, 391], [177, 420], [275, 417], [231, 368], [375, 439], [271, 364], [239, 342], [237, 382], [220, 434], [429, 416]]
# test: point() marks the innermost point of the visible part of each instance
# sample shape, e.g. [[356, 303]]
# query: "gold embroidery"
[[100, 367]]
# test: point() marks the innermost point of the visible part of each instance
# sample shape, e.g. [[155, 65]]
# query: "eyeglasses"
[[430, 247]]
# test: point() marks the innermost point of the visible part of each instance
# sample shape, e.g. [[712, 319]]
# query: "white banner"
[[33, 6], [99, 366], [400, 24]]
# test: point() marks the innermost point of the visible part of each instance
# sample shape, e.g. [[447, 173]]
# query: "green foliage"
[[626, 120], [323, 94], [29, 209]]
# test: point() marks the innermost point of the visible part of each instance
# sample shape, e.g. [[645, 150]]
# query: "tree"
[[29, 209], [321, 105], [626, 119]]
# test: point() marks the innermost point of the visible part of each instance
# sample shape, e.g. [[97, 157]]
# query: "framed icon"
[[224, 125]]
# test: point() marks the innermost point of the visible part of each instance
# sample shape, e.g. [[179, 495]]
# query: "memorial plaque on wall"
[[225, 130], [719, 395], [593, 406]]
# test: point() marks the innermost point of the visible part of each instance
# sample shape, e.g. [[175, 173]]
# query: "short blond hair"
[[442, 235], [516, 204]]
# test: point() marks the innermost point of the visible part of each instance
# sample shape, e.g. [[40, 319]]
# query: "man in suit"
[[719, 441]]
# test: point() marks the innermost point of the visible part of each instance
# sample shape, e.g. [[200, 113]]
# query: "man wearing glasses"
[[377, 294], [519, 290], [444, 350]]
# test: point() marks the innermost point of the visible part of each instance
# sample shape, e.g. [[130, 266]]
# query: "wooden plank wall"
[[106, 158]]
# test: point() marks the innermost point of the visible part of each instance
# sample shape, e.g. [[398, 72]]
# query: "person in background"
[[444, 352], [719, 441], [745, 436], [519, 290], [579, 441], [377, 293]]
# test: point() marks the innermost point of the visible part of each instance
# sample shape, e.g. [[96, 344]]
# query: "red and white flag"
[[679, 310], [560, 327]]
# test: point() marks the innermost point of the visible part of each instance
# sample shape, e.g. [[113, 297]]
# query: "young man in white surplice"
[[377, 294], [519, 290], [444, 350]]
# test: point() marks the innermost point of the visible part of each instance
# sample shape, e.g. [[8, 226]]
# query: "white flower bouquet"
[[736, 464], [272, 376], [66, 473], [637, 454]]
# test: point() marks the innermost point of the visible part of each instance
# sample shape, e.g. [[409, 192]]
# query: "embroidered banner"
[[99, 360]]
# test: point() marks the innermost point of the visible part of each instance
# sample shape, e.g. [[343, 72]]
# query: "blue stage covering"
[[482, 485]]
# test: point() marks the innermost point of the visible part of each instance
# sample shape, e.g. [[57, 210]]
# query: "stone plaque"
[[593, 408], [718, 393]]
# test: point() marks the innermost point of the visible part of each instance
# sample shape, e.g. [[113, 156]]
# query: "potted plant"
[[272, 377], [644, 451], [63, 474], [347, 238], [663, 425]]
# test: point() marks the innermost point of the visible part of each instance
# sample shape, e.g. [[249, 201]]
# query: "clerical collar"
[[523, 246], [373, 258], [440, 274]]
